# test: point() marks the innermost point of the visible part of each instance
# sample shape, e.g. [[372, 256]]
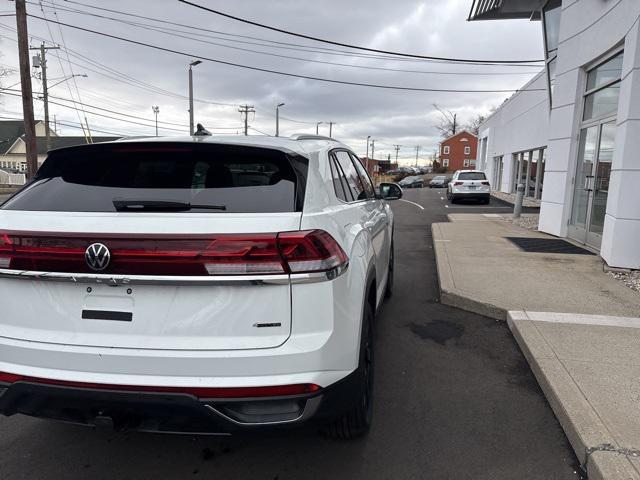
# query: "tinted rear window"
[[472, 176], [242, 179]]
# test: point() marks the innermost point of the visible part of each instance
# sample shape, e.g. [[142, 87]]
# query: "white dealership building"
[[572, 134]]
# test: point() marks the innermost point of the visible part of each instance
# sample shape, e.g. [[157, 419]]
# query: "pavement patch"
[[439, 331]]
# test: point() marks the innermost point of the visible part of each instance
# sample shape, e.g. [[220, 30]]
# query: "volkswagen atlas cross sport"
[[469, 184], [200, 284]]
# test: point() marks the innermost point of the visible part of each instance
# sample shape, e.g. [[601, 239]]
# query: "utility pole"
[[373, 149], [397, 149], [42, 62], [317, 125], [330, 128], [27, 92], [191, 65], [156, 111], [277, 119], [246, 110], [417, 150], [455, 123]]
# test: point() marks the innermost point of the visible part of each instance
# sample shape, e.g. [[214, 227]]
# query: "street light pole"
[[156, 111], [278, 118], [317, 125], [191, 65]]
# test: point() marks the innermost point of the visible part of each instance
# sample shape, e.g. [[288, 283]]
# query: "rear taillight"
[[310, 251], [199, 255], [485, 183], [457, 183]]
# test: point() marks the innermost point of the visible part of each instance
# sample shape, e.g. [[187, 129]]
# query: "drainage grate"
[[547, 245]]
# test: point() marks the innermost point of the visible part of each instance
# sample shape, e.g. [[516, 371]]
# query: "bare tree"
[[447, 122], [474, 124]]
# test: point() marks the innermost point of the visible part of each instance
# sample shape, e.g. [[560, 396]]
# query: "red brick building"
[[458, 152]]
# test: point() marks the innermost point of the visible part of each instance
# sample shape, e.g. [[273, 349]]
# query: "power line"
[[356, 47], [188, 36], [277, 72], [107, 116], [274, 43], [119, 76]]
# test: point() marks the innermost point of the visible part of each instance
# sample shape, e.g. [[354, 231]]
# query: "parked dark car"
[[441, 181], [412, 182]]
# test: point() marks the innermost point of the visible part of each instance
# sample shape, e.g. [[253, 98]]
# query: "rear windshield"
[[216, 178], [439, 178], [472, 176]]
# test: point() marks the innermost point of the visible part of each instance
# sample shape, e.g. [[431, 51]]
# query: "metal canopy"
[[505, 9]]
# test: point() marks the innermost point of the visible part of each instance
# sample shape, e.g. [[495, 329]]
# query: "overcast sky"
[[429, 27]]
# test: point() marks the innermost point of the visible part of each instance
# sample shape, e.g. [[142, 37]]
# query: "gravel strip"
[[530, 222], [631, 279]]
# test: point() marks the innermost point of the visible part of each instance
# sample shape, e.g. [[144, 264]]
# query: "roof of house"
[[459, 133], [10, 131]]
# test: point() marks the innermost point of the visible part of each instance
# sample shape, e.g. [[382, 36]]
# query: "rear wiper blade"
[[160, 206]]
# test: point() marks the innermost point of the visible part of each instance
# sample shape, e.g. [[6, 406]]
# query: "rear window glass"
[[220, 178], [472, 176]]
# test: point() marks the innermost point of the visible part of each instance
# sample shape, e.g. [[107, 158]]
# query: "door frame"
[[577, 233]]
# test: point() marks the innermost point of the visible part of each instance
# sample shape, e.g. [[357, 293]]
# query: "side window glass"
[[351, 174], [339, 182], [364, 177]]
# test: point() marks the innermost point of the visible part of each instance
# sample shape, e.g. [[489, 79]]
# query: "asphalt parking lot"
[[455, 399]]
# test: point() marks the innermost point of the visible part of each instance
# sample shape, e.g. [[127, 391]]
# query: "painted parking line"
[[412, 203]]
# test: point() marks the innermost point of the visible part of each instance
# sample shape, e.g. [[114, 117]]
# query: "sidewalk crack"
[[608, 447]]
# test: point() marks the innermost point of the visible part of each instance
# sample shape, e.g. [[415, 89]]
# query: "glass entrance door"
[[591, 187]]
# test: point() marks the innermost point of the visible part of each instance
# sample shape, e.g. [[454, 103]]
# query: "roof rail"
[[306, 136]]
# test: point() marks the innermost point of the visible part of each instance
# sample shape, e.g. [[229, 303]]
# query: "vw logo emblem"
[[97, 256]]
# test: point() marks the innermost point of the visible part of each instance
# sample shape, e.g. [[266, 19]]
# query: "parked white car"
[[469, 184], [195, 284]]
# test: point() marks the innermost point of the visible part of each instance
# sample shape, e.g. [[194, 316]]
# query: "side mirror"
[[390, 191]]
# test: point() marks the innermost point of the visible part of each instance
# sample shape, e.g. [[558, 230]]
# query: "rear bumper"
[[176, 412], [471, 195]]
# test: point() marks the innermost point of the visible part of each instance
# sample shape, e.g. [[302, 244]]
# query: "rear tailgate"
[[189, 229], [168, 314]]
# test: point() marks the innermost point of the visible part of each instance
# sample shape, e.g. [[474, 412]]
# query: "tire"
[[388, 291], [356, 422], [452, 199]]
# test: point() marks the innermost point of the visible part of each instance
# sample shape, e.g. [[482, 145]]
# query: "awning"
[[505, 9]]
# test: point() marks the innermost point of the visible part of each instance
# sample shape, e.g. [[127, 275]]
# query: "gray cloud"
[[437, 27]]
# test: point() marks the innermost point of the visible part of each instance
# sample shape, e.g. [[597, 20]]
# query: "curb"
[[589, 437]]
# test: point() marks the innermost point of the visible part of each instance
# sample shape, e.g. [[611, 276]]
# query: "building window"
[[445, 149], [498, 169], [472, 163], [603, 89], [529, 171], [551, 29], [465, 163], [467, 150], [445, 162]]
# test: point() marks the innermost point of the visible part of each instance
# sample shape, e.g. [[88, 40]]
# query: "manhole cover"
[[547, 245]]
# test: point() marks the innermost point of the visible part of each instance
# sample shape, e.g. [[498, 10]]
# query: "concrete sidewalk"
[[481, 271], [589, 369]]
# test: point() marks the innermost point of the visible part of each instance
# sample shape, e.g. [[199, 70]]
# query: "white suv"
[[195, 285], [469, 184]]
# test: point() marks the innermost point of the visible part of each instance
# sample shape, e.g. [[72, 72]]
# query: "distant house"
[[377, 167], [13, 154], [458, 152]]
